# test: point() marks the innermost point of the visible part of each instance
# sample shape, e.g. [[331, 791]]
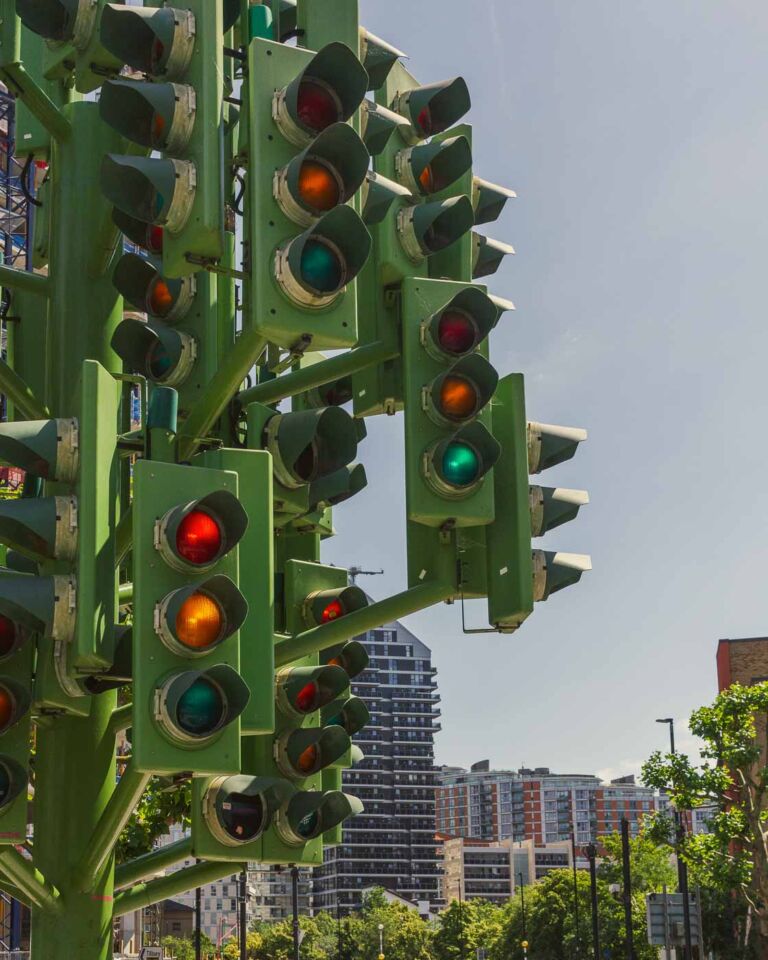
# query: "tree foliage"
[[161, 806]]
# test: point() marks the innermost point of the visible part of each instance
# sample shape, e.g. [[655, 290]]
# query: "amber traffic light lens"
[[458, 398], [318, 186], [307, 761], [158, 129], [199, 622], [160, 299]]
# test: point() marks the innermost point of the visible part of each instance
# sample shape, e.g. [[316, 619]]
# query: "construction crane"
[[355, 572]]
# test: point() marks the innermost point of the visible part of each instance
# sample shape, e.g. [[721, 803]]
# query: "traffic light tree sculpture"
[[166, 548]]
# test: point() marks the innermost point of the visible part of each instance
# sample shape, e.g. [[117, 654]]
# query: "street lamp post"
[[381, 941], [524, 941], [592, 854], [682, 866]]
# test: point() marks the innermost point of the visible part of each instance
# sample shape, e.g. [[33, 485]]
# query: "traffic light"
[[448, 384], [432, 108], [17, 655], [178, 114], [188, 694], [311, 454], [517, 575], [306, 243]]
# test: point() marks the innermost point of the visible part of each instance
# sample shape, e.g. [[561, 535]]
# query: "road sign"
[[665, 917]]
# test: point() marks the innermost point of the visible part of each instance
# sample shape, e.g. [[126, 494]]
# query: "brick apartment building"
[[742, 661]]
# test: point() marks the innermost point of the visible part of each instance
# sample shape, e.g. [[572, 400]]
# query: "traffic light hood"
[[487, 255], [434, 107], [378, 124], [144, 287], [158, 191], [45, 448], [378, 58], [554, 571], [157, 41], [194, 705], [239, 809], [427, 228], [431, 167], [310, 813], [59, 20], [553, 506], [154, 350], [488, 200], [155, 115], [549, 445], [378, 195]]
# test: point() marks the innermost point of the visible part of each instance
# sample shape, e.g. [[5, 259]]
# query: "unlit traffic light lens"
[[333, 611], [320, 267], [461, 464], [199, 622], [5, 784], [318, 186], [307, 698], [200, 708], [317, 106], [159, 362], [7, 636], [458, 398], [307, 826], [243, 817], [456, 332], [198, 538]]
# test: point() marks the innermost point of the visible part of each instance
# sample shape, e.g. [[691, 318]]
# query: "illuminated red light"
[[332, 611], [424, 121], [7, 636], [316, 106], [158, 129], [456, 333], [198, 538], [6, 708], [155, 239], [306, 698]]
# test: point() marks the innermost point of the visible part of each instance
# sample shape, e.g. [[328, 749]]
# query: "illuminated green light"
[[461, 464], [320, 267], [200, 708]]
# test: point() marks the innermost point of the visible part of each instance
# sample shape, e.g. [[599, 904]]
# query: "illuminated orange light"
[[318, 187], [426, 179], [199, 622], [458, 398], [158, 128], [307, 760], [6, 707], [160, 298]]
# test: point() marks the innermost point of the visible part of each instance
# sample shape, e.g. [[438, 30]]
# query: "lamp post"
[[592, 854], [524, 942], [682, 867], [381, 941]]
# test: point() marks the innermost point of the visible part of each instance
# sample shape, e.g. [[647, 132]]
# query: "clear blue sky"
[[635, 135]]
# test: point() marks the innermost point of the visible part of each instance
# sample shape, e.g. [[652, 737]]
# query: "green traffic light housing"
[[140, 233], [239, 809], [40, 604], [458, 328], [433, 108], [13, 781], [159, 41], [489, 199], [549, 445], [313, 268], [301, 753], [194, 536], [431, 167], [351, 714], [44, 448], [15, 701], [310, 444], [310, 813], [325, 606], [157, 191], [155, 115], [377, 126], [300, 691], [334, 488], [327, 173], [378, 58], [427, 228], [555, 571], [59, 20], [459, 394], [43, 528], [145, 288], [351, 656], [378, 195], [553, 506], [455, 466], [194, 705], [155, 351], [333, 394], [194, 620], [487, 255], [328, 90]]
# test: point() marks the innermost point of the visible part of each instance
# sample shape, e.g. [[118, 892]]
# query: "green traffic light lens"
[[307, 826], [320, 267], [159, 362], [461, 464], [200, 708]]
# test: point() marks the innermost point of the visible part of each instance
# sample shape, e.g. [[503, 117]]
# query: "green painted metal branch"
[[222, 388], [25, 281], [318, 374], [32, 884], [20, 394], [353, 624], [121, 718], [115, 816], [14, 892], [36, 100], [125, 593], [154, 862], [124, 536], [145, 894]]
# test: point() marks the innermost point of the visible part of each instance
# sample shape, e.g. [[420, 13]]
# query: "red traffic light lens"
[[332, 611], [158, 130], [7, 636], [199, 538], [199, 622], [160, 298], [317, 105], [424, 121], [456, 332], [156, 56], [458, 397], [307, 760], [155, 239], [7, 706], [308, 698], [318, 186]]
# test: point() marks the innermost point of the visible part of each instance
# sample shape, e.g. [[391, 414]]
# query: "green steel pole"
[[24, 280], [115, 816], [124, 536], [121, 719], [36, 100], [318, 374], [151, 863], [29, 880], [353, 624], [145, 894], [20, 394]]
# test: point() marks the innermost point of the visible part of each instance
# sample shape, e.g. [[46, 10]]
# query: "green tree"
[[734, 777], [183, 948], [405, 935], [464, 927], [652, 867], [162, 805]]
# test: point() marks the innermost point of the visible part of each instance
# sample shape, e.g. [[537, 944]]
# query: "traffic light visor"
[[157, 41]]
